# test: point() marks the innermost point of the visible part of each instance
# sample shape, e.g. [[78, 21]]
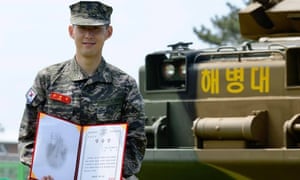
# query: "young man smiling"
[[96, 91]]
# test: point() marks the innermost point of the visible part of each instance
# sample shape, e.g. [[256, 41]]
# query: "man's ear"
[[109, 32], [71, 29]]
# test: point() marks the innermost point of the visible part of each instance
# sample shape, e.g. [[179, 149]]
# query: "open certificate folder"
[[68, 151]]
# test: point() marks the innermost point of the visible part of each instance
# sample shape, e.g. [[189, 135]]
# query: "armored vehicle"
[[229, 112]]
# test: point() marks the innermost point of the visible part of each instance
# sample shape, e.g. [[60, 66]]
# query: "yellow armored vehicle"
[[229, 112]]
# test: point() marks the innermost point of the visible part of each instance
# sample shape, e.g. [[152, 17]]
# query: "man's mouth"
[[88, 43]]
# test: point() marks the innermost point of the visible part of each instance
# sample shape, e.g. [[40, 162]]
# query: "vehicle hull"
[[221, 164]]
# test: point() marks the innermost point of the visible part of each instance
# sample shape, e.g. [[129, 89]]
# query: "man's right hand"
[[47, 178]]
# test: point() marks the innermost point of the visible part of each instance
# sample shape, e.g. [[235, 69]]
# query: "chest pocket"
[[109, 109], [59, 105]]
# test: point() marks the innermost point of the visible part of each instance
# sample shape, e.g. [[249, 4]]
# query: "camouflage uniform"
[[109, 95]]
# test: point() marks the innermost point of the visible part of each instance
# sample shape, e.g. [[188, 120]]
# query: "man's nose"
[[89, 33]]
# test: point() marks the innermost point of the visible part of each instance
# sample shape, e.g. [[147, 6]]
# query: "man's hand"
[[47, 178], [133, 177]]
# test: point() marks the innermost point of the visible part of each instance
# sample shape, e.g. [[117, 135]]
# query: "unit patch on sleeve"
[[30, 95]]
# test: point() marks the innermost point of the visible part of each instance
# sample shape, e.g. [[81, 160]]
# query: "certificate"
[[65, 150]]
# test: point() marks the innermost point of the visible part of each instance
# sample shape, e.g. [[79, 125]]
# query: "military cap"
[[90, 13]]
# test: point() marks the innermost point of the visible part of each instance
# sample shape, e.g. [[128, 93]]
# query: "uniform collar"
[[102, 73]]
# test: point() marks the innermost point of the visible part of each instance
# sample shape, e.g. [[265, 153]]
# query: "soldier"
[[97, 91]]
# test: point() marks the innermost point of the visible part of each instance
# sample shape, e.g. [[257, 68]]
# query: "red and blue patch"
[[30, 95]]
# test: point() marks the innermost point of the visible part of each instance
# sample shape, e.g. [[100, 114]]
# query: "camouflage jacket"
[[110, 95]]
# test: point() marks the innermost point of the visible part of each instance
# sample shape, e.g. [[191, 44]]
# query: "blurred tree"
[[226, 27]]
